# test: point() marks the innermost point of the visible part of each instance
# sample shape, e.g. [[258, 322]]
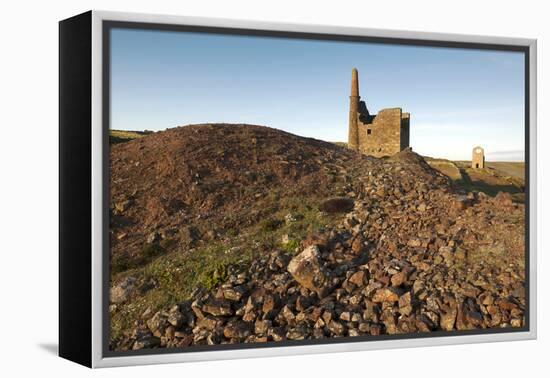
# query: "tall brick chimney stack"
[[353, 131]]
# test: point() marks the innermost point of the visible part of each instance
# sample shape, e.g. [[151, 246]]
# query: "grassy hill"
[[120, 136], [496, 177]]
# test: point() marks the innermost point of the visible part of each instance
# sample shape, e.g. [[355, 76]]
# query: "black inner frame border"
[[108, 25]]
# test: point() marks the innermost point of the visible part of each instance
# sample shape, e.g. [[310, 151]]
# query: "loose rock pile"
[[411, 255]]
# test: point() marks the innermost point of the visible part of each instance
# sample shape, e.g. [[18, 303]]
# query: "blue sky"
[[457, 98]]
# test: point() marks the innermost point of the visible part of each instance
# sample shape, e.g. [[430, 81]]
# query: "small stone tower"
[[382, 134], [478, 158]]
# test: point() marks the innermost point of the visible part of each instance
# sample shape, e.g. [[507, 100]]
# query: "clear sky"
[[457, 98]]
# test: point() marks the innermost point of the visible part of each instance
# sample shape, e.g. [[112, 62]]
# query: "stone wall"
[[381, 135], [405, 127]]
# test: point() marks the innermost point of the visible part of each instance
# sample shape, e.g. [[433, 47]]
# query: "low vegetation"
[[121, 136], [175, 272], [494, 178]]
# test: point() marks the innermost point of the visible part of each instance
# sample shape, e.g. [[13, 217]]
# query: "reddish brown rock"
[[398, 279], [385, 295], [218, 308], [357, 278], [307, 270]]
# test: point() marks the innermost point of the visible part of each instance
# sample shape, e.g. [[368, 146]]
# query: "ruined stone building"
[[382, 134], [478, 158]]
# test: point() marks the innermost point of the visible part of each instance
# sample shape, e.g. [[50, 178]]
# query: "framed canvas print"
[[235, 189]]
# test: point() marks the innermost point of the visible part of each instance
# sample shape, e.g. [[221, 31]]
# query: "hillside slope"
[[215, 179], [213, 224]]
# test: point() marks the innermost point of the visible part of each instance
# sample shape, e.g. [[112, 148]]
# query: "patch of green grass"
[[149, 252], [121, 136], [270, 225], [291, 246], [341, 144], [178, 272], [176, 275], [232, 232]]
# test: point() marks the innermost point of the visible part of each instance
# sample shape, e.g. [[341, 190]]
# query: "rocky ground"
[[199, 182], [400, 249]]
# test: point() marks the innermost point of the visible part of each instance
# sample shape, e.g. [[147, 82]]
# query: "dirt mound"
[[197, 182], [408, 254]]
